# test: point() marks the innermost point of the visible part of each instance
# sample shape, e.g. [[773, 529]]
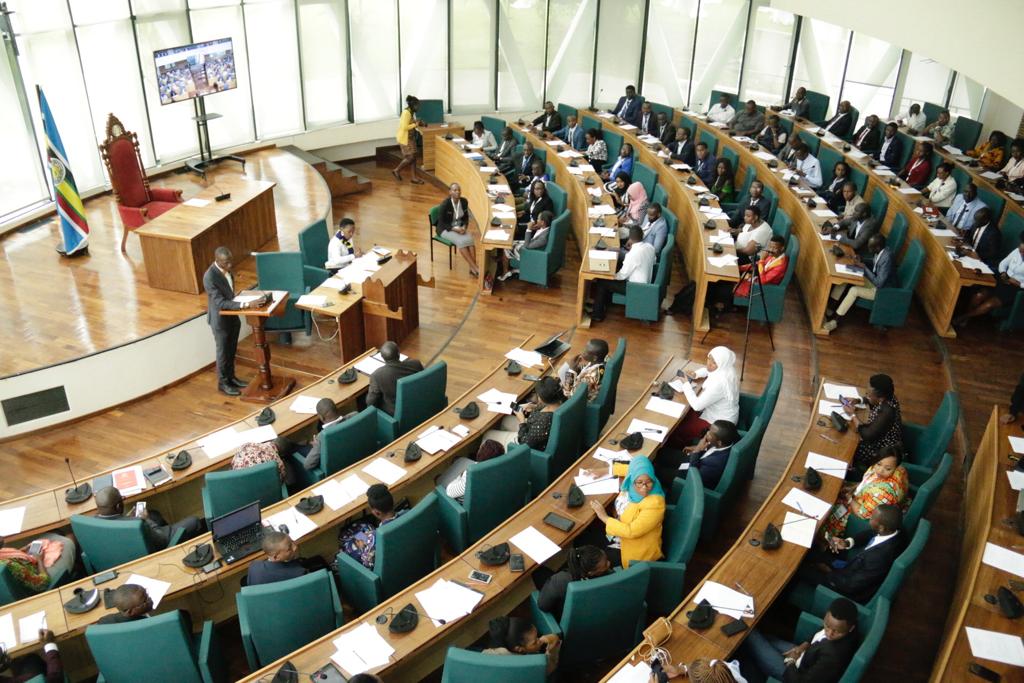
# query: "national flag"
[[74, 227]]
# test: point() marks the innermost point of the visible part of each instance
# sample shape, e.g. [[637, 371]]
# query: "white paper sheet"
[[334, 283], [665, 407], [498, 188], [798, 529], [601, 487], [11, 521], [257, 434], [824, 213], [129, 480], [314, 300], [806, 504], [834, 391], [908, 190], [826, 465], [942, 232], [29, 627], [354, 486], [1016, 479], [335, 495], [991, 175], [361, 649], [304, 405], [998, 647], [245, 298], [884, 172], [447, 600], [197, 202], [495, 396], [1015, 197], [154, 587], [650, 430], [849, 270], [766, 156], [530, 359], [385, 471], [535, 544], [220, 442], [8, 638], [723, 261], [460, 430], [1002, 558], [437, 441], [488, 169], [725, 600], [298, 524], [368, 365], [1017, 444], [600, 210], [975, 264], [496, 235], [609, 456], [687, 167]]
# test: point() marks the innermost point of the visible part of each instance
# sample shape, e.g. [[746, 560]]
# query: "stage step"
[[340, 180]]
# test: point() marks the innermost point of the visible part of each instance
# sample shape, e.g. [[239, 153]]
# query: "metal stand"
[[756, 289], [206, 158]]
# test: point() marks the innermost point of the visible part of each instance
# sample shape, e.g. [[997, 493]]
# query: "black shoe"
[[235, 382], [284, 338], [229, 390]]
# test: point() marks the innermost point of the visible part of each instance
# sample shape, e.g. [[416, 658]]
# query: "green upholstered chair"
[[604, 615], [774, 201], [563, 443], [283, 270], [787, 125], [467, 666], [931, 111], [995, 201], [753, 406], [565, 111], [342, 444], [643, 300], [860, 179], [495, 490], [906, 149], [854, 120], [921, 500], [660, 196], [431, 111], [538, 265], [925, 444], [679, 535], [869, 632], [879, 204], [613, 141], [774, 295], [812, 141], [1013, 315], [550, 170], [782, 224], [278, 618], [558, 196], [662, 109], [161, 646], [541, 154], [891, 304], [406, 551], [672, 224], [107, 543], [828, 158], [313, 241], [597, 411], [590, 121], [715, 94], [816, 599], [495, 125], [231, 489], [734, 159], [433, 216], [965, 133], [709, 139], [646, 176], [417, 397], [897, 234], [817, 105]]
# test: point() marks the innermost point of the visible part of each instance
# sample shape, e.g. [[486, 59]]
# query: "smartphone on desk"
[[516, 563]]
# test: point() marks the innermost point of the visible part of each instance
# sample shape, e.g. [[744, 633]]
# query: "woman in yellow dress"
[[407, 123]]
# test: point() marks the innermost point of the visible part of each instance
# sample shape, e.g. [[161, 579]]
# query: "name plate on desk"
[[602, 261]]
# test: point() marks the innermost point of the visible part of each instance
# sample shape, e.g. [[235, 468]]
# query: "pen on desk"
[[828, 438], [740, 586]]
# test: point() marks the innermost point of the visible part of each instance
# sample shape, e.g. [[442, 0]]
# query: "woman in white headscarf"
[[719, 397]]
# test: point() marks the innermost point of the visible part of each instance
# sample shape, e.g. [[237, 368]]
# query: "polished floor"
[[471, 333]]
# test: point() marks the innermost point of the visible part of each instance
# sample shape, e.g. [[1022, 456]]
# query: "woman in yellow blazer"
[[640, 508], [407, 123]]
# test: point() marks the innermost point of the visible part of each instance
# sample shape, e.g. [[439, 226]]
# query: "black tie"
[[959, 215]]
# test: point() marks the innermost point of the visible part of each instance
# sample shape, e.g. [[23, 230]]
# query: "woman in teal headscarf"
[[640, 507]]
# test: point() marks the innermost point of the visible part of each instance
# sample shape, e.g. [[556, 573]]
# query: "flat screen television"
[[189, 71]]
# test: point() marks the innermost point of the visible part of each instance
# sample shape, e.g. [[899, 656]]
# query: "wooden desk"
[[431, 134], [991, 503], [264, 390], [422, 650], [178, 246], [383, 307], [762, 573]]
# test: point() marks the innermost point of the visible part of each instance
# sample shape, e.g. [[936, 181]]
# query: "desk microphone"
[[81, 492], [222, 196], [390, 614], [289, 674]]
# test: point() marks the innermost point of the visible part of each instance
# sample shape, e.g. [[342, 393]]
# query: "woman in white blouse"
[[719, 397], [1014, 169], [942, 189]]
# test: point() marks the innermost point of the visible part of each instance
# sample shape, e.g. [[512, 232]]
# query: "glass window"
[[871, 75], [767, 62], [374, 58], [571, 31], [323, 41], [95, 11], [669, 51], [926, 81], [619, 41], [821, 58], [967, 97], [22, 183], [274, 67], [721, 30], [472, 58], [424, 31], [521, 38]]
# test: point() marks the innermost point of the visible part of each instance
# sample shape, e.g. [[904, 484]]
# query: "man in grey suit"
[[384, 380], [881, 274], [857, 230], [220, 293]]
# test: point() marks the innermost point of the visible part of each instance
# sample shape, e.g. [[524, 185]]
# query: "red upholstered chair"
[[137, 202]]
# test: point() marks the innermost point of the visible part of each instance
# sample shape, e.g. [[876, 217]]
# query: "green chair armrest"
[[359, 584], [665, 588], [544, 621], [540, 465], [823, 597], [918, 474], [454, 520], [207, 506], [175, 537], [387, 427], [806, 627], [250, 649], [211, 662]]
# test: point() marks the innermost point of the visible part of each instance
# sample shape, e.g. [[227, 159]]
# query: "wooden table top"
[[338, 304], [758, 572], [412, 645], [186, 222]]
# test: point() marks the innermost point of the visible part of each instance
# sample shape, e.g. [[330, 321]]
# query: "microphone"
[[390, 613], [288, 673], [81, 492]]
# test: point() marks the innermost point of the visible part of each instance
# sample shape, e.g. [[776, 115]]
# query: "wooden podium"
[[265, 390]]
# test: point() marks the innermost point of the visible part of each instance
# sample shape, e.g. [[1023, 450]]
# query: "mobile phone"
[[211, 567], [733, 627], [108, 598], [516, 563], [559, 522], [35, 548], [140, 509], [479, 576], [530, 378], [104, 577], [984, 672]]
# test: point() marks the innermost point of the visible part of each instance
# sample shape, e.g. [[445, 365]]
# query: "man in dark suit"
[[328, 415], [550, 120], [857, 230], [682, 148], [754, 197], [983, 238], [823, 659], [31, 667], [799, 105], [132, 603], [110, 505], [282, 561], [384, 380], [521, 165], [840, 124], [628, 106], [869, 137], [890, 149], [709, 456], [666, 130], [704, 165], [220, 293], [648, 122], [504, 155]]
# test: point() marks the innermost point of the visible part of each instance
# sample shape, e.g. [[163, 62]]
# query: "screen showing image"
[[195, 70]]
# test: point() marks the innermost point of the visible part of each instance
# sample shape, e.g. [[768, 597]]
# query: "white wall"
[[998, 113]]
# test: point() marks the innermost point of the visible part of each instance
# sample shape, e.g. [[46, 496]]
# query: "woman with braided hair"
[[701, 671], [584, 562], [517, 636]]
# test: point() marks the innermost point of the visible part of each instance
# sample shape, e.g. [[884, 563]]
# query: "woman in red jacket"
[[772, 267], [919, 165]]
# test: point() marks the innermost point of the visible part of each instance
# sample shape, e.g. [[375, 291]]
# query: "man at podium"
[[220, 294]]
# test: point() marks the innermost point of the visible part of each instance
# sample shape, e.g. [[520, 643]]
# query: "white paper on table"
[[586, 168], [884, 172], [650, 430], [315, 300], [991, 175], [569, 154], [460, 431], [29, 627], [502, 209], [766, 156], [333, 283], [725, 600], [999, 647], [353, 276], [942, 232], [220, 442], [632, 673], [953, 150], [154, 587], [245, 298], [298, 524], [975, 264], [826, 465], [1016, 197], [798, 529], [648, 138], [806, 504], [600, 487], [828, 237], [499, 408], [803, 190], [361, 649], [834, 391], [602, 254], [856, 154], [258, 434], [723, 260], [601, 210], [498, 188], [849, 270], [1017, 444], [909, 190], [609, 456], [446, 600], [488, 169], [1002, 558], [610, 233], [824, 213], [385, 471], [197, 202], [605, 114], [665, 407], [720, 238], [437, 441], [525, 358], [685, 167], [496, 396], [595, 191], [8, 638], [473, 155], [1016, 479], [304, 405], [354, 486], [11, 521], [627, 126], [575, 170], [535, 544], [335, 495], [129, 480], [496, 235], [368, 365], [826, 407], [712, 211], [678, 384]]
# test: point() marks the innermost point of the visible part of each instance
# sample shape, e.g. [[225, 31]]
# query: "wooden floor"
[[469, 332]]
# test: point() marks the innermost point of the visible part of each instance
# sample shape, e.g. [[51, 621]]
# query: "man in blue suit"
[[572, 133], [704, 165], [628, 106], [709, 456]]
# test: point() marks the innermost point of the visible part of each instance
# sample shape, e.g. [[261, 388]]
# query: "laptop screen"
[[236, 520]]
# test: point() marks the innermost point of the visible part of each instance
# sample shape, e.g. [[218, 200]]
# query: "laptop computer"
[[553, 346], [238, 533]]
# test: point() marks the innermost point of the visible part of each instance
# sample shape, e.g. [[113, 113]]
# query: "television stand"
[[206, 158]]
